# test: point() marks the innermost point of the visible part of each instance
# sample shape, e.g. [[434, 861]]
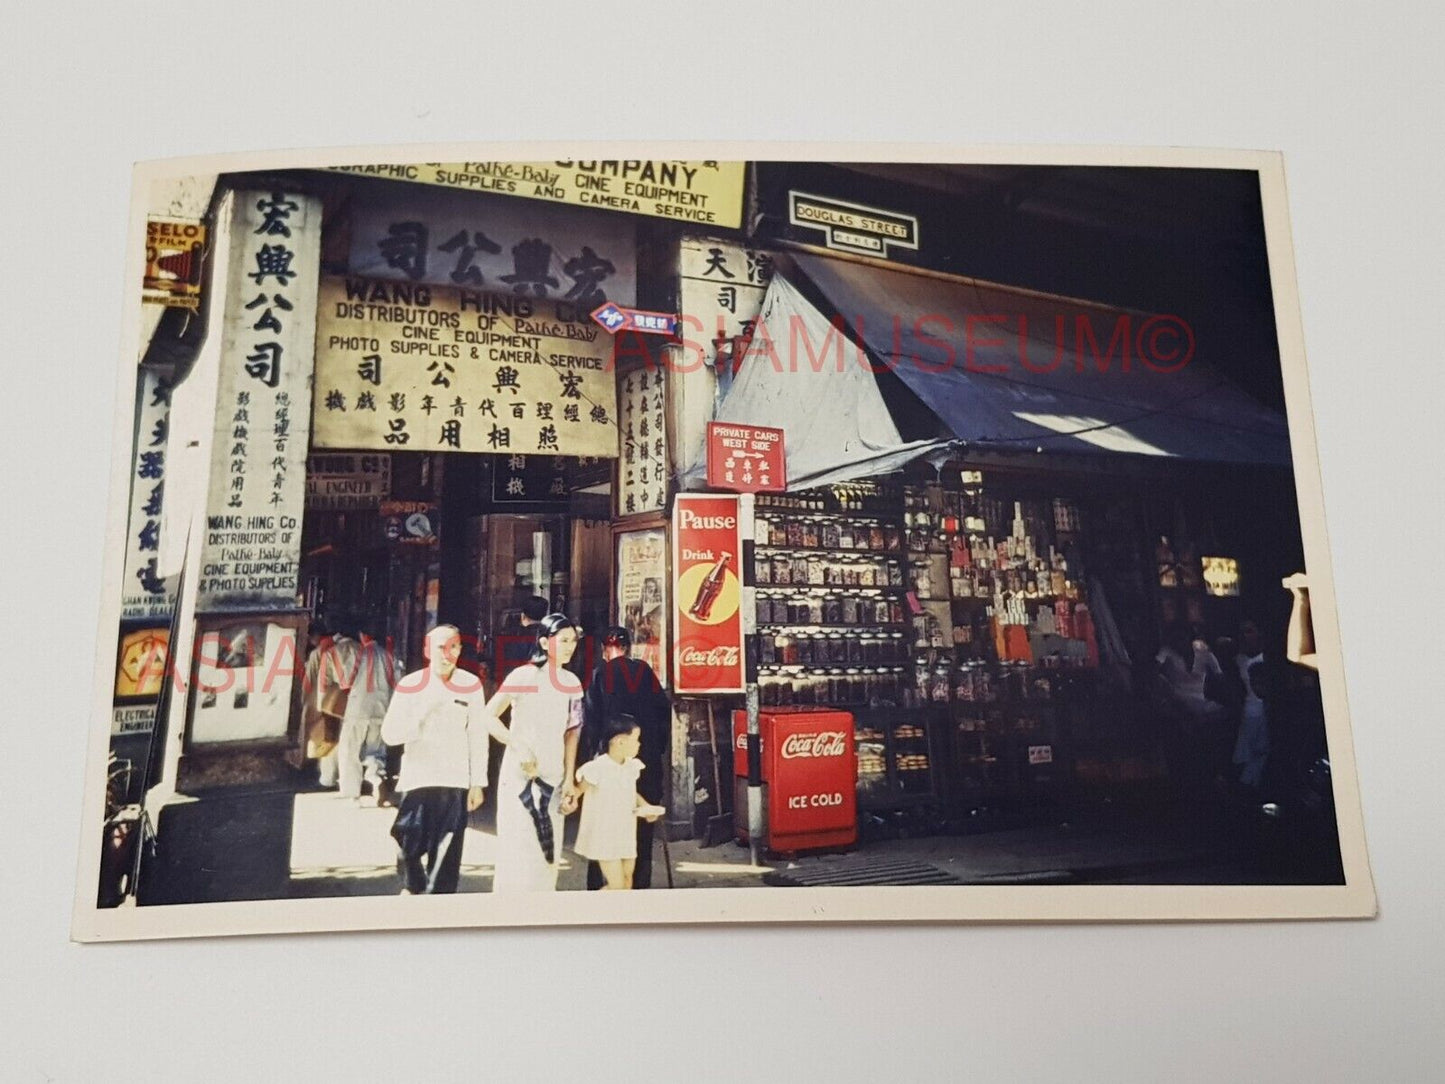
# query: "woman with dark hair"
[[536, 788]]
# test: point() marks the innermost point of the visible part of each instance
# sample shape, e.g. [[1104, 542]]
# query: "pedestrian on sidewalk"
[[535, 789], [627, 686], [335, 668], [360, 752], [439, 715], [611, 806]]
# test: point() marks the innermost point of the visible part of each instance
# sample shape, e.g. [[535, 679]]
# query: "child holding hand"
[[611, 804]]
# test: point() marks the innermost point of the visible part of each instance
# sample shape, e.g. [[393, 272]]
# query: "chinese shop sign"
[[500, 245], [706, 549], [642, 474], [706, 192], [438, 369], [252, 545], [545, 479], [722, 294], [144, 593], [745, 458], [174, 252]]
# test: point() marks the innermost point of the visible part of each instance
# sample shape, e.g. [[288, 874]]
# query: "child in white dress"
[[611, 804]]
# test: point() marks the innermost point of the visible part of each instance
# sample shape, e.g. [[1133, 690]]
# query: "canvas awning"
[[835, 422], [1006, 370]]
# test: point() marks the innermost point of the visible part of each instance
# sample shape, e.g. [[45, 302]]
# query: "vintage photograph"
[[776, 536]]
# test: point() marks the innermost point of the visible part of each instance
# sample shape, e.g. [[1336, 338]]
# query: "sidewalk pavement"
[[315, 844]]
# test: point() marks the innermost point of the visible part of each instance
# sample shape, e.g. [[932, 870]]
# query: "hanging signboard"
[[144, 593], [709, 192], [851, 227], [722, 294], [251, 549], [439, 369], [642, 473], [480, 242], [745, 458], [706, 551], [616, 318], [340, 482], [642, 594], [409, 523], [175, 250]]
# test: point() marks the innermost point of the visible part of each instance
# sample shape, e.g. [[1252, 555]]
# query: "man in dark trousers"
[[626, 686]]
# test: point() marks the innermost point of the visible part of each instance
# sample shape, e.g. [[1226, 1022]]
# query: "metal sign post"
[[750, 677]]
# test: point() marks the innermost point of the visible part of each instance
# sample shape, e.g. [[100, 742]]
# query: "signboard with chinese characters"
[[175, 251], [722, 293], [707, 192], [745, 458], [642, 472], [530, 479], [251, 548], [642, 594], [617, 318], [439, 369], [706, 550], [851, 227], [480, 242], [145, 594], [339, 482]]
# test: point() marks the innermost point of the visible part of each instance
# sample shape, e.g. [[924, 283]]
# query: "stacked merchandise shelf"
[[834, 627]]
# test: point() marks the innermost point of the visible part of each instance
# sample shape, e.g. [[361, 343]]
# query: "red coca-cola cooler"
[[810, 778]]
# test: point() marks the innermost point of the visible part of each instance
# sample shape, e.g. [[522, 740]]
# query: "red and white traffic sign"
[[745, 458]]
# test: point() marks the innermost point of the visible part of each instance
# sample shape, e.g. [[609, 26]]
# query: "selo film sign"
[[706, 549]]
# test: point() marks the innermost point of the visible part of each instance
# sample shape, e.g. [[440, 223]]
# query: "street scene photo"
[[505, 528]]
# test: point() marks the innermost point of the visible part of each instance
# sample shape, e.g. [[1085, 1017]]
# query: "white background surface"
[[1351, 98]]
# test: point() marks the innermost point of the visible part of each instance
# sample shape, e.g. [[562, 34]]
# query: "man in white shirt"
[[439, 715]]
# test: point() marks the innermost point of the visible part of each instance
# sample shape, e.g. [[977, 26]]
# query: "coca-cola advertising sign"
[[706, 557], [825, 743]]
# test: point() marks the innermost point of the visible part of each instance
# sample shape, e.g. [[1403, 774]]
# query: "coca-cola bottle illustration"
[[709, 589]]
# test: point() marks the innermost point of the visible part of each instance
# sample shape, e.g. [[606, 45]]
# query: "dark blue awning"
[[1009, 370]]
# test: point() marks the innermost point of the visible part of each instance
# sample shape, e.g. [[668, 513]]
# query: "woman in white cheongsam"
[[536, 788]]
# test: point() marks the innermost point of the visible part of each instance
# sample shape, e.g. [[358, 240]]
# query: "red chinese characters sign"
[[706, 557], [745, 458]]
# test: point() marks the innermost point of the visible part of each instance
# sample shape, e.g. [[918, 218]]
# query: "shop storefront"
[[405, 412], [993, 519]]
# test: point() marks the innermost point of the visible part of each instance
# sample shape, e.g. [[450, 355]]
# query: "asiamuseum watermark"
[[356, 668], [935, 342]]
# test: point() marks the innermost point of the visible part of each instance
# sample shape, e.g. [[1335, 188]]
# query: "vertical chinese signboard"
[[722, 292], [642, 594], [642, 472], [706, 557], [144, 594], [146, 598], [252, 546]]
